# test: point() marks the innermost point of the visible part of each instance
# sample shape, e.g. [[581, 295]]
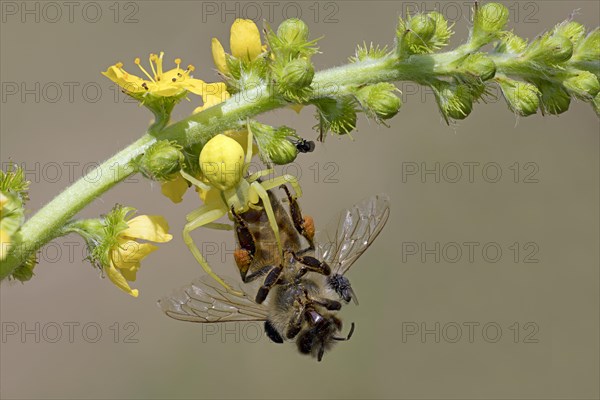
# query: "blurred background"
[[484, 283]]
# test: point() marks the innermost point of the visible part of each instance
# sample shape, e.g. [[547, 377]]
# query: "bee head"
[[320, 335]]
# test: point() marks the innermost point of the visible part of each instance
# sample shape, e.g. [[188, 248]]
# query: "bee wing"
[[352, 232], [206, 301]]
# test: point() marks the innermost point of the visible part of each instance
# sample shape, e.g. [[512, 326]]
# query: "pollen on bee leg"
[[309, 226], [243, 258]]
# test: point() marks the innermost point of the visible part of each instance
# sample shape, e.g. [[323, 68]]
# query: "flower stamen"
[[152, 59], [139, 64], [159, 64]]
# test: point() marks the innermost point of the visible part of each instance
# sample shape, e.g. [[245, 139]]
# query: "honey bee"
[[308, 285]]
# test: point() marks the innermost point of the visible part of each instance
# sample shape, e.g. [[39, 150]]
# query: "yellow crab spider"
[[224, 186]]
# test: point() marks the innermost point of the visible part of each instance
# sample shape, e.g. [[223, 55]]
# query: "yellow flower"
[[174, 82], [175, 189], [5, 240], [212, 99], [244, 42], [126, 254]]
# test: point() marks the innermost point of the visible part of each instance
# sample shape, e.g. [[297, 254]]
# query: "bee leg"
[[245, 254], [312, 264], [295, 323], [270, 280], [272, 333], [304, 225], [256, 274], [331, 305]]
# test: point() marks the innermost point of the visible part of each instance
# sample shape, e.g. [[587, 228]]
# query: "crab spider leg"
[[219, 227], [249, 145], [259, 174], [206, 215], [264, 196], [197, 212], [282, 180], [195, 181]]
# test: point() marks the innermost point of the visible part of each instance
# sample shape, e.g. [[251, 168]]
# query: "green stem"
[[48, 222]]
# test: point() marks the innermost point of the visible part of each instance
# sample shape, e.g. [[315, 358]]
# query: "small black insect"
[[304, 146]]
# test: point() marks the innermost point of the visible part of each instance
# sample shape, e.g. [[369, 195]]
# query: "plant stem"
[[48, 222]]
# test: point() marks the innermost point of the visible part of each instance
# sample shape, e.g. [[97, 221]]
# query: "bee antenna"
[[347, 337], [321, 352]]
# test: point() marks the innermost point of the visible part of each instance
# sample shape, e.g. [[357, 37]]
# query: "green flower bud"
[[454, 100], [415, 34], [12, 216], [479, 65], [282, 152], [584, 85], [297, 74], [521, 97], [12, 213], [274, 144], [550, 49], [379, 100], [596, 104], [161, 161], [293, 79], [588, 49], [442, 30], [13, 181], [336, 115], [422, 26], [24, 272], [555, 99], [511, 44], [571, 30], [291, 41], [488, 21], [366, 52], [293, 31]]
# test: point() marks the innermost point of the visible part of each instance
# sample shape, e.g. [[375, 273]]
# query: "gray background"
[[559, 214]]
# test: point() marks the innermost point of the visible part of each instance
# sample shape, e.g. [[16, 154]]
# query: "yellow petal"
[[218, 54], [211, 196], [169, 90], [217, 90], [195, 86], [4, 244], [245, 40], [212, 99], [296, 107], [119, 280], [175, 189], [130, 273], [129, 252], [130, 83], [148, 227], [241, 136]]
